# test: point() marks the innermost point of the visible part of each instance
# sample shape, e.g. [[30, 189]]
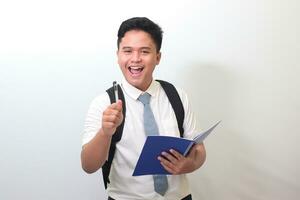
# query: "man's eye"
[[145, 52], [127, 51]]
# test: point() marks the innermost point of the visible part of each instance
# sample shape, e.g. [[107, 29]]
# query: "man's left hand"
[[175, 163]]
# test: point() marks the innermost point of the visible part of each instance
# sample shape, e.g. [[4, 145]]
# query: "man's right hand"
[[112, 118], [95, 153]]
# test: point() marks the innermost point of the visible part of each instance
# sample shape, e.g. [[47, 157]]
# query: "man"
[[139, 43]]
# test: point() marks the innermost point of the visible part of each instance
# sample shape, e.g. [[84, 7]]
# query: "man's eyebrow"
[[127, 47], [146, 48]]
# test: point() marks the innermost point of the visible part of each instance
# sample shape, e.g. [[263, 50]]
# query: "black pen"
[[115, 85]]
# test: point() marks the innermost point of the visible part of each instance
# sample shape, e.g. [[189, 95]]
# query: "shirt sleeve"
[[189, 123], [93, 117]]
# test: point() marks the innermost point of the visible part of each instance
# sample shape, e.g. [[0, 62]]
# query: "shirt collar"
[[134, 93]]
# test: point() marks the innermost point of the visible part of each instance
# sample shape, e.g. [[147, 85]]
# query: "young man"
[[139, 43]]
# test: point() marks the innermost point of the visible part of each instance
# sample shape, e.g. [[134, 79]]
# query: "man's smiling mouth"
[[135, 69]]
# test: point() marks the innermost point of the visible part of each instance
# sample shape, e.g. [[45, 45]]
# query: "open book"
[[155, 145]]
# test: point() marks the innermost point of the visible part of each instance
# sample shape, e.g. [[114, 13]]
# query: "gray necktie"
[[160, 181]]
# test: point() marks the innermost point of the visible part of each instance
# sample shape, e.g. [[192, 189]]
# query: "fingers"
[[112, 120], [169, 168], [176, 154], [117, 105], [173, 156], [113, 110], [172, 161], [112, 117], [175, 163]]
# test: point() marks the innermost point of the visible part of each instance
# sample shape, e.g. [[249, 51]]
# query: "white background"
[[238, 61]]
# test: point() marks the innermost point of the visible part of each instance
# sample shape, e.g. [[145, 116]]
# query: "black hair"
[[143, 24]]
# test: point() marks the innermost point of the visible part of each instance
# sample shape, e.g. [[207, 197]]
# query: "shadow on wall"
[[236, 166], [213, 94], [211, 90]]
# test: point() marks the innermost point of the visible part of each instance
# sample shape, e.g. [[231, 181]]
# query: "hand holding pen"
[[112, 115]]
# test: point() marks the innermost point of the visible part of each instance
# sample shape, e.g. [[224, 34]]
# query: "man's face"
[[137, 58]]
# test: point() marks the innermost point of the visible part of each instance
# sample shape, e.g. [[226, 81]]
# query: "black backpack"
[[176, 104]]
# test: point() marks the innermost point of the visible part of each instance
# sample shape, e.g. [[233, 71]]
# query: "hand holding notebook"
[[155, 145]]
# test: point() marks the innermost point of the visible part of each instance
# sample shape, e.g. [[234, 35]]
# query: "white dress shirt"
[[124, 186]]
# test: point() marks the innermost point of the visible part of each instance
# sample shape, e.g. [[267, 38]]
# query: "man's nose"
[[136, 57]]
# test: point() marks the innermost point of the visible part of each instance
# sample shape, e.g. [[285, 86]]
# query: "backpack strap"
[[116, 136], [176, 103]]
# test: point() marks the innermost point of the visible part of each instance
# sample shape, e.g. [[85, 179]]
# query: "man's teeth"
[[135, 69]]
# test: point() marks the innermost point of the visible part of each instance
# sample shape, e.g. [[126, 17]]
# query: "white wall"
[[238, 60]]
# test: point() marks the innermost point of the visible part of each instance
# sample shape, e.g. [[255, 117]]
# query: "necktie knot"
[[144, 98]]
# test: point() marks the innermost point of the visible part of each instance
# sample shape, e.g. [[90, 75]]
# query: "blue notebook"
[[155, 145]]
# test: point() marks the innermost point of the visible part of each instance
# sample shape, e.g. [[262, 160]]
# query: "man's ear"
[[158, 57]]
